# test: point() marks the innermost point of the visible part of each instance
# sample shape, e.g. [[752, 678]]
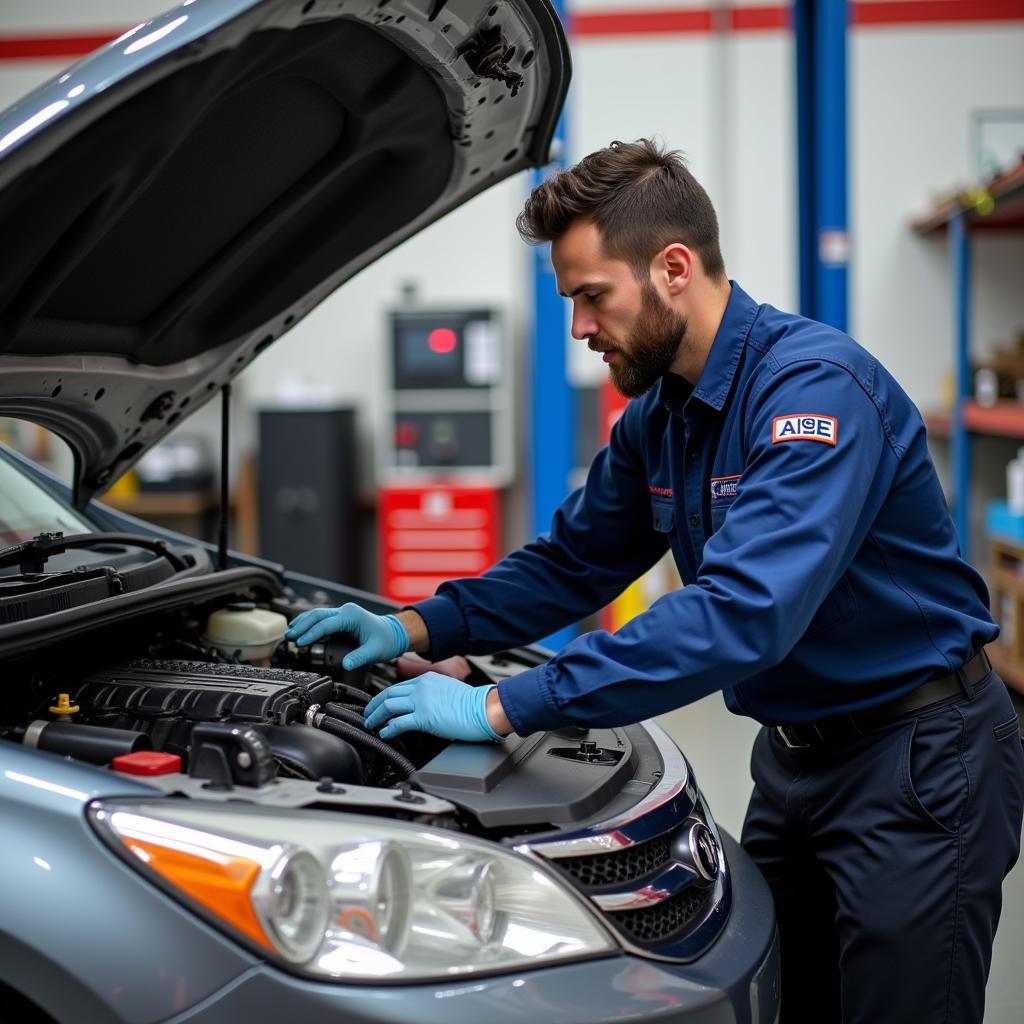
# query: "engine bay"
[[209, 700], [191, 689]]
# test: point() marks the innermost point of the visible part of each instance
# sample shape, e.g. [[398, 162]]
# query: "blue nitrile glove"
[[432, 703], [381, 637]]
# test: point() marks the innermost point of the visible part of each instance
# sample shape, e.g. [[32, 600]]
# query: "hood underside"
[[174, 203]]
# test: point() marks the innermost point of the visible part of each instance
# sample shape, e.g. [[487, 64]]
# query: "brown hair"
[[640, 196]]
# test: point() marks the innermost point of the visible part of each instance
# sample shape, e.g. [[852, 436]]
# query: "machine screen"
[[428, 355]]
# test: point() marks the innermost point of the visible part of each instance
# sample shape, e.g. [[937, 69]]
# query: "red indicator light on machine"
[[406, 435], [147, 762], [441, 340]]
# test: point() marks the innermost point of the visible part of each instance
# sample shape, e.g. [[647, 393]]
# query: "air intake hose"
[[346, 713], [360, 738]]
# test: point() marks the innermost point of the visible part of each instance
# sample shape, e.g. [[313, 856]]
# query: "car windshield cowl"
[[31, 555], [52, 574]]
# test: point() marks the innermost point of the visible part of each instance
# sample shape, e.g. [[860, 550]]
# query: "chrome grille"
[[626, 865], [662, 921]]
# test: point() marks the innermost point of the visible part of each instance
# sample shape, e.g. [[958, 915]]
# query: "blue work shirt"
[[794, 488]]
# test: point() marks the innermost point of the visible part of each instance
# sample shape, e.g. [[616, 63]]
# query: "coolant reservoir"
[[243, 632]]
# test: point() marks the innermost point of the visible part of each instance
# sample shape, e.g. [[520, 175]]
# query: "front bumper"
[[67, 898]]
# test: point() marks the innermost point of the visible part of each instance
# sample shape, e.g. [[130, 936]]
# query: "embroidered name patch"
[[665, 492], [805, 427], [724, 486]]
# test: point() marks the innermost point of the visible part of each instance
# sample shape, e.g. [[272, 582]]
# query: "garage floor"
[[717, 744]]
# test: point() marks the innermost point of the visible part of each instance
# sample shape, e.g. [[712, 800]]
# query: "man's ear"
[[676, 264]]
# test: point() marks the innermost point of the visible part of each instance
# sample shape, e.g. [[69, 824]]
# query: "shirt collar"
[[720, 369]]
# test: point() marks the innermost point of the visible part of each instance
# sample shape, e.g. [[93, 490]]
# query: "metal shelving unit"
[[1004, 419], [997, 206]]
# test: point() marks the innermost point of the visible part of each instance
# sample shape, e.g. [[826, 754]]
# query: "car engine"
[[192, 686], [215, 686]]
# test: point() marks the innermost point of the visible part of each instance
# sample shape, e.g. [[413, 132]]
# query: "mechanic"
[[789, 475]]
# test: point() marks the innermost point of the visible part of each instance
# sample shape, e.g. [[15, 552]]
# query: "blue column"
[[960, 263], [830, 163], [803, 23], [552, 400], [820, 33]]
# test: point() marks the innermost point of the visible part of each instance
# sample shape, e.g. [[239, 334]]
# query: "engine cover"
[[166, 698]]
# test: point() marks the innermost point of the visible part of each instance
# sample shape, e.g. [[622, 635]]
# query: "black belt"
[[856, 723]]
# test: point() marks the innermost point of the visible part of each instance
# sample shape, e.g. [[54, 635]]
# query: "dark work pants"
[[886, 855]]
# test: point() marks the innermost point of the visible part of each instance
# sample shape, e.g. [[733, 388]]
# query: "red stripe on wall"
[[634, 23], [918, 12], [663, 21], [53, 47], [758, 19]]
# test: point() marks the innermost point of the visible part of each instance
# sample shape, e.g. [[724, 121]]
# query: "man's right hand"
[[381, 637]]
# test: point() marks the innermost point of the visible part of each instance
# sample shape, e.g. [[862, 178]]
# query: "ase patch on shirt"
[[805, 427]]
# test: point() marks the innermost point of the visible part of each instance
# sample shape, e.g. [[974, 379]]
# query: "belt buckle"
[[793, 744]]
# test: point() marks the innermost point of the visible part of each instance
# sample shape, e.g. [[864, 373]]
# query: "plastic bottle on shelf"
[[1015, 484], [986, 386]]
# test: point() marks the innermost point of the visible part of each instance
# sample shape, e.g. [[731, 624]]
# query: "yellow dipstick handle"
[[63, 705]]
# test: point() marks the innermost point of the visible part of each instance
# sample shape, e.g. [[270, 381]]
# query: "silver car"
[[197, 826]]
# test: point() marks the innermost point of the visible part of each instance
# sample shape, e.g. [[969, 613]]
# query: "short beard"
[[653, 345]]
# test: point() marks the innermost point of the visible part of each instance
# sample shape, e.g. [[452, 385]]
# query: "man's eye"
[[592, 297]]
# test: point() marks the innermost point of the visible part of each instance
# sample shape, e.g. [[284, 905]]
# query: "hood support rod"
[[224, 505]]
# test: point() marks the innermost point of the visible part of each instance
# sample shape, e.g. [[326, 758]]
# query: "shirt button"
[[695, 520], [694, 453]]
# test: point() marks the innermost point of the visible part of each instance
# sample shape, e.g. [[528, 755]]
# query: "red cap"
[[147, 762]]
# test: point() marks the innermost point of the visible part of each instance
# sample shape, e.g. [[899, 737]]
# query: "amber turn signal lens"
[[219, 883]]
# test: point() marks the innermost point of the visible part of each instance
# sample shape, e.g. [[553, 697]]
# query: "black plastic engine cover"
[[530, 781], [166, 698]]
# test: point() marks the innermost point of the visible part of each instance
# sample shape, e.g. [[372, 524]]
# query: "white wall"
[[48, 17], [759, 219]]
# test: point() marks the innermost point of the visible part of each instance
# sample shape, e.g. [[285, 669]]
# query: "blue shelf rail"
[[960, 442]]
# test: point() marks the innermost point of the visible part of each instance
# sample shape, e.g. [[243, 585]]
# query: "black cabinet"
[[308, 499]]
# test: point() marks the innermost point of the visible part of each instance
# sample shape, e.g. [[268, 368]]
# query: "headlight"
[[291, 900], [356, 897]]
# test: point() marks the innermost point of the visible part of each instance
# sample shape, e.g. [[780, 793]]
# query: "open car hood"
[[174, 203]]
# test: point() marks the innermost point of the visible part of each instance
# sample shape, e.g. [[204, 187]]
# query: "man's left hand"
[[432, 703]]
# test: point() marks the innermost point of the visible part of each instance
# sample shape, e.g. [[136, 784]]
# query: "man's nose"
[[583, 326]]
